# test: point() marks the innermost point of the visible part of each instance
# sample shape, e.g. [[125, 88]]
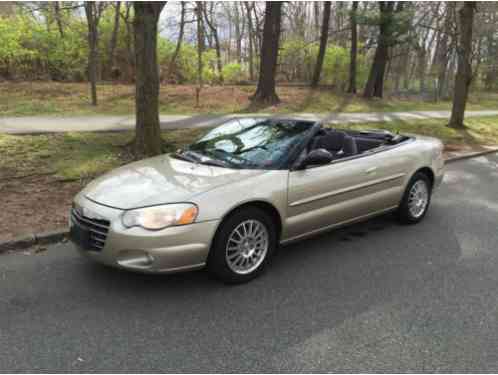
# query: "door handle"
[[371, 170]]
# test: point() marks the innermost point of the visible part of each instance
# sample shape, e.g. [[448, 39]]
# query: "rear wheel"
[[243, 246], [416, 199]]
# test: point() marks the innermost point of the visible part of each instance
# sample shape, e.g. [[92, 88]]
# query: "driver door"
[[340, 192]]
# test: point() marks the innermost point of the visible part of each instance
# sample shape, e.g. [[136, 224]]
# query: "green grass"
[[52, 98], [73, 156], [478, 130]]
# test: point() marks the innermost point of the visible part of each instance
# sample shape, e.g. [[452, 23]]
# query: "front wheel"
[[243, 246], [416, 199]]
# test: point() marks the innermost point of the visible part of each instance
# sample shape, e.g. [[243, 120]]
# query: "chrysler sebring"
[[228, 200]]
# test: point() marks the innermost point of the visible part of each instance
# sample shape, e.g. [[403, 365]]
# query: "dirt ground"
[[34, 204]]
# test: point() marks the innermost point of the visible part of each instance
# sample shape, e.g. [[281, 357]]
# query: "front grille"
[[98, 229]]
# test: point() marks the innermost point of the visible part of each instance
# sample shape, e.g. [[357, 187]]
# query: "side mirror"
[[319, 156]]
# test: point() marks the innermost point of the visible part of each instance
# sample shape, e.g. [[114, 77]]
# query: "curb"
[[470, 155], [29, 240], [46, 238]]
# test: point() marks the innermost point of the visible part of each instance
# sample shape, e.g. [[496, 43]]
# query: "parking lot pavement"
[[373, 297]]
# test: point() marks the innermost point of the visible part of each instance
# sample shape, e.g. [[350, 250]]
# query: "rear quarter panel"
[[424, 152]]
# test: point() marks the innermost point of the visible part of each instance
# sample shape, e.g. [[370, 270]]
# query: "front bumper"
[[170, 250]]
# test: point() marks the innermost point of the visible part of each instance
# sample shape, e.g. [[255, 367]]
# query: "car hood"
[[160, 180]]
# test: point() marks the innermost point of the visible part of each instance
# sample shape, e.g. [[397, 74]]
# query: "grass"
[[74, 156], [52, 98], [84, 155], [478, 130]]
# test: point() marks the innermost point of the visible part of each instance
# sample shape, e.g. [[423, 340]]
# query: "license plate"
[[80, 236]]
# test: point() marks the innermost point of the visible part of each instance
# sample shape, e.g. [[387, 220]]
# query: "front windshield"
[[250, 143]]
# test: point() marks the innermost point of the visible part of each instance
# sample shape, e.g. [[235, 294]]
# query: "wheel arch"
[[261, 204], [428, 172]]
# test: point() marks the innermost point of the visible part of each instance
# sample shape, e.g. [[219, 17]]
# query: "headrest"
[[332, 141]]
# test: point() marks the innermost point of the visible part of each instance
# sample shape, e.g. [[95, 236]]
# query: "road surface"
[[374, 297]]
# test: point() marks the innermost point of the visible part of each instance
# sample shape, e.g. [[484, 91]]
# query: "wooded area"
[[431, 50]]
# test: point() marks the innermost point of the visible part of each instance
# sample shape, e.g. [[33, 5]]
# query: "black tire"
[[217, 264], [405, 215]]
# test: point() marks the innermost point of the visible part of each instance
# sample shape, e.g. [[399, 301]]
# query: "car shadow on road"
[[336, 237], [359, 265]]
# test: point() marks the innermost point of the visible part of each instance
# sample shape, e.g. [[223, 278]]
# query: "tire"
[[410, 211], [235, 263]]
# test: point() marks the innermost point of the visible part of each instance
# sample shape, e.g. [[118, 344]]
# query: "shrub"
[[232, 73]]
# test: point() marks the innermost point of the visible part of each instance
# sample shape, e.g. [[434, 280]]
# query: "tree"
[[443, 51], [114, 37], [354, 49], [126, 17], [265, 91], [58, 18], [148, 133], [463, 76], [392, 28], [93, 12], [200, 49], [375, 83], [214, 32], [323, 44], [250, 32], [178, 42]]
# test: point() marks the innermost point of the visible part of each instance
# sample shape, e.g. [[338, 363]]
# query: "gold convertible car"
[[228, 200]]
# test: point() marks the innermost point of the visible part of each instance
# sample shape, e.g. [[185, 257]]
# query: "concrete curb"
[[46, 238], [23, 242], [470, 155]]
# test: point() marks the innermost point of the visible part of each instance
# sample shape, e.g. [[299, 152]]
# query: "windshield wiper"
[[186, 157], [214, 162], [197, 158]]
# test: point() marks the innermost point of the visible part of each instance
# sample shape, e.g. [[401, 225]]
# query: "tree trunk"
[[172, 63], [147, 134], [491, 76], [128, 42], [421, 64], [323, 44], [316, 17], [114, 38], [238, 34], [214, 31], [463, 76], [375, 83], [200, 49], [93, 53], [58, 18], [265, 92], [442, 54], [251, 36], [354, 49]]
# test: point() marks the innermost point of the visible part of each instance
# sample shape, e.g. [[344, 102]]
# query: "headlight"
[[160, 217]]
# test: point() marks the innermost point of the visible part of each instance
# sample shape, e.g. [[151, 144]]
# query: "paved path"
[[44, 124], [375, 297]]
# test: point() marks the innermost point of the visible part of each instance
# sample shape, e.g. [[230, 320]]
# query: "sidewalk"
[[96, 123]]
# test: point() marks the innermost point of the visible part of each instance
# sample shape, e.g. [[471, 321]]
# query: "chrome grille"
[[98, 229]]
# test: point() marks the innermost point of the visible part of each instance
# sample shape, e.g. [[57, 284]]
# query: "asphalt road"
[[374, 297], [96, 123]]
